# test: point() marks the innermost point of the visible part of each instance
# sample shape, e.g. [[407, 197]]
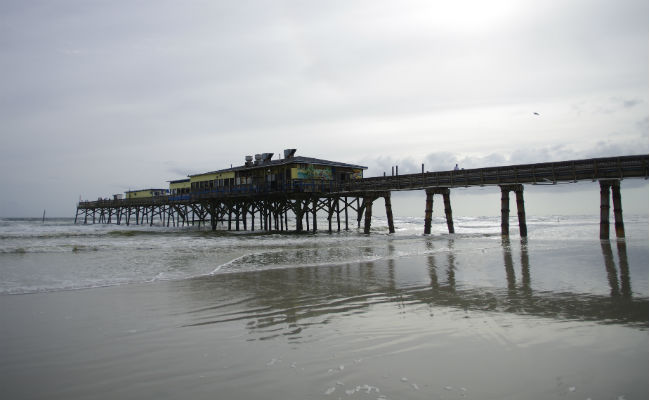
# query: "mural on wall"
[[357, 174], [312, 172]]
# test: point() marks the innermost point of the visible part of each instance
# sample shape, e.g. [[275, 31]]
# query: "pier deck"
[[305, 198]]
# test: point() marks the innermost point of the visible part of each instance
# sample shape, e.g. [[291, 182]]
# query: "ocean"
[[107, 311]]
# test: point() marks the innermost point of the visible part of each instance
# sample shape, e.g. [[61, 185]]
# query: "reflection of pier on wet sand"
[[287, 301]]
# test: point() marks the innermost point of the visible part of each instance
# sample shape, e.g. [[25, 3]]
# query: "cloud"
[[631, 103], [101, 93]]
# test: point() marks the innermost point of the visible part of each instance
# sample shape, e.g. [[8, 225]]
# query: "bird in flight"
[[536, 113]]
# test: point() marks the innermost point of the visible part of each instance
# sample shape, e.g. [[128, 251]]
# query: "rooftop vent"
[[249, 161], [288, 153], [258, 159], [266, 157]]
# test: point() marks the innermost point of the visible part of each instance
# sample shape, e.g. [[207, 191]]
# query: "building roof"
[[141, 190], [286, 161], [180, 180]]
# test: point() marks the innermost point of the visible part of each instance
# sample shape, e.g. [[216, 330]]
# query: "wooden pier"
[[272, 207]]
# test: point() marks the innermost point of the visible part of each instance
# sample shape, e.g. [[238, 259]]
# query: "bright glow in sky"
[[104, 96]]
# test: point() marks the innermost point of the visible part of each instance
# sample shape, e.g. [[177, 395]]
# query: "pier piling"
[[505, 209], [619, 226], [428, 212], [389, 213]]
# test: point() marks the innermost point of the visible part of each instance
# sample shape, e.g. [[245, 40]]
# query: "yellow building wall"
[[294, 172], [211, 177], [139, 194], [179, 185]]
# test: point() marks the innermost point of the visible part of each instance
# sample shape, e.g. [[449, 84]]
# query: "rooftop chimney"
[[266, 157], [288, 153]]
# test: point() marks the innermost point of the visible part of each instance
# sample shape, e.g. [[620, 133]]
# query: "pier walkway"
[[273, 202]]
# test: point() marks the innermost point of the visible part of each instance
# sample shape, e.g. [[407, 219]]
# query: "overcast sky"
[[99, 97]]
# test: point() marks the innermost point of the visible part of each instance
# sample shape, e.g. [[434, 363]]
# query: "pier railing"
[[541, 173]]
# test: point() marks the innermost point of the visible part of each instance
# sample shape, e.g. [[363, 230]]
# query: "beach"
[[103, 312]]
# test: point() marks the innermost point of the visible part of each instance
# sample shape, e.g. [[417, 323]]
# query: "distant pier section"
[[286, 193]]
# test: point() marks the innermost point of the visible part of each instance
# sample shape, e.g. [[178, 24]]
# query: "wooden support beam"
[[447, 202], [360, 209], [367, 201], [428, 212], [604, 209], [338, 214], [521, 211], [314, 209], [213, 216], [330, 210], [346, 214], [244, 213], [389, 213], [505, 211], [285, 216], [619, 226]]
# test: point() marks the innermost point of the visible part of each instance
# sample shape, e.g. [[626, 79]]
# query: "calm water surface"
[[108, 312]]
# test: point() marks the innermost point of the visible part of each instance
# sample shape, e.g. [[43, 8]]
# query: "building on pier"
[[179, 187], [146, 193], [262, 173]]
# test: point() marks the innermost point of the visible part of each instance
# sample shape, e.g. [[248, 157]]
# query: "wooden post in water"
[[330, 211], [505, 211], [428, 212], [368, 214], [521, 211], [314, 210], [619, 227], [359, 211], [447, 201], [213, 216], [345, 209], [297, 210], [285, 218], [389, 213], [604, 209]]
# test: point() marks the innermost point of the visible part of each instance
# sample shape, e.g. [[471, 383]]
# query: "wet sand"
[[504, 321]]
